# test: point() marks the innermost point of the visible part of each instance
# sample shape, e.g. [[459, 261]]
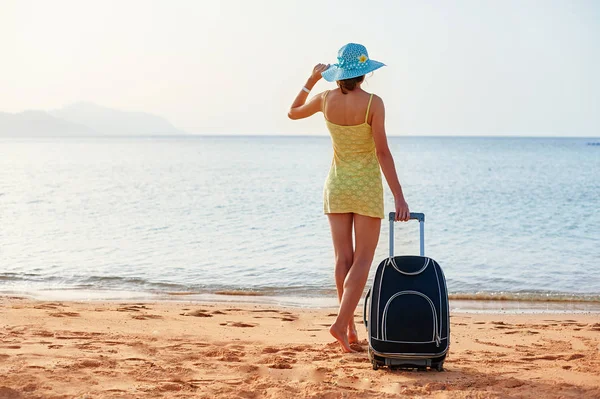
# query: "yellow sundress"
[[354, 182]]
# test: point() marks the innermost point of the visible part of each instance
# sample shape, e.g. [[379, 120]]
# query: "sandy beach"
[[80, 350]]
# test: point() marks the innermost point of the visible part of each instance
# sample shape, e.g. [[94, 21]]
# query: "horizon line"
[[402, 135], [255, 135]]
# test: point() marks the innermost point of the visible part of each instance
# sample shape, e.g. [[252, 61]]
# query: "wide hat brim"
[[336, 72]]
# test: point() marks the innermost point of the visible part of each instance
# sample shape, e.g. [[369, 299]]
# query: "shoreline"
[[169, 349], [463, 304]]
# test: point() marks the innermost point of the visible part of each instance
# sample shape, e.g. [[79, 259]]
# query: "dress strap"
[[368, 108], [324, 100]]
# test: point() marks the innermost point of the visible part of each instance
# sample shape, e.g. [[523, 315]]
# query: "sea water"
[[515, 218]]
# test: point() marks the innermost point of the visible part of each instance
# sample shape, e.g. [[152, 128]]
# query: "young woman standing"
[[353, 192]]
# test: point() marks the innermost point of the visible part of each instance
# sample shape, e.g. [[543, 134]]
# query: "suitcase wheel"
[[375, 365], [440, 366]]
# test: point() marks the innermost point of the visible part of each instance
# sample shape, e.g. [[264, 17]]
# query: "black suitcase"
[[407, 317]]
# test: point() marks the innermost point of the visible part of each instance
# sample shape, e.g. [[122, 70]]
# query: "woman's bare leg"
[[366, 231], [341, 233]]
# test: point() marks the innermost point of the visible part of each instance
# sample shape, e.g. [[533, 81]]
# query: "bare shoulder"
[[377, 103], [320, 96], [377, 99]]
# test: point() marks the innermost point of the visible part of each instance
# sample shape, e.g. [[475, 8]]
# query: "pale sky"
[[506, 67]]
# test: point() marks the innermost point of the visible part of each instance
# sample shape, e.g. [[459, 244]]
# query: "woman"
[[353, 194]]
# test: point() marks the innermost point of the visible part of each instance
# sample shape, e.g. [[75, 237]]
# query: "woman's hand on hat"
[[316, 73]]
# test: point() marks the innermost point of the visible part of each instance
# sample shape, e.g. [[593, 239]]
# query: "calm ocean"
[[123, 217]]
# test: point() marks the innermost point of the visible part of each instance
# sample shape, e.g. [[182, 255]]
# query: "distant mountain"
[[107, 121], [39, 123], [84, 119]]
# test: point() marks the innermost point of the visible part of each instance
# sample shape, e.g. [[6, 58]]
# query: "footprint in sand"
[[48, 306], [284, 316], [146, 316], [574, 356], [64, 314], [242, 325], [135, 359], [238, 324], [280, 365], [322, 369], [78, 335], [88, 363], [112, 343], [278, 362], [248, 368], [300, 348], [197, 313], [207, 381], [43, 333], [170, 386], [543, 357], [132, 308], [225, 355], [490, 343], [115, 390]]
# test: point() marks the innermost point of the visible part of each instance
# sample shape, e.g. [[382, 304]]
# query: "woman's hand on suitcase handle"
[[402, 211]]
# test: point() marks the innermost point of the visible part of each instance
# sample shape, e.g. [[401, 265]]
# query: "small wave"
[[26, 277], [240, 293], [181, 293], [525, 297]]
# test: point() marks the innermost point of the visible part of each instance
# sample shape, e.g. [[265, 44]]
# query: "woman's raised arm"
[[300, 109]]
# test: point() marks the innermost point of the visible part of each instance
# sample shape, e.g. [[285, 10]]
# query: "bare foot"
[[352, 334], [342, 337]]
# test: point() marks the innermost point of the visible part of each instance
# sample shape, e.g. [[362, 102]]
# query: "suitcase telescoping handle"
[[417, 216]]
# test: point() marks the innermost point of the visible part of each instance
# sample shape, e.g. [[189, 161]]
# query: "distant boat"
[[594, 143]]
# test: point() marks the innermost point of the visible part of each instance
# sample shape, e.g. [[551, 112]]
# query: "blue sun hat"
[[353, 61]]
